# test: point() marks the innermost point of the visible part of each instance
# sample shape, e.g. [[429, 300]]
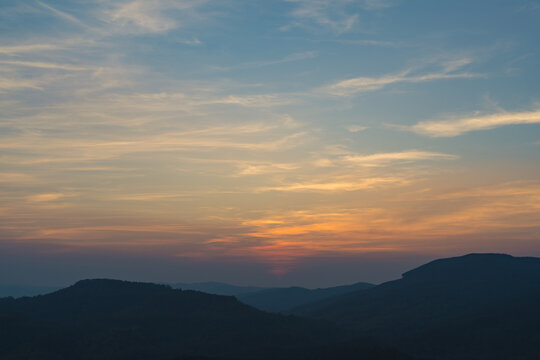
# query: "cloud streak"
[[356, 128], [339, 186], [62, 14], [364, 84], [404, 156], [145, 16], [460, 126], [259, 64], [28, 48], [338, 16], [45, 65]]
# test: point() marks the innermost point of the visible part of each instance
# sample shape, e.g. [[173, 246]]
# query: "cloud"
[[189, 101], [338, 16], [497, 210], [264, 100], [377, 4], [349, 160], [337, 186], [193, 41], [353, 86], [356, 128], [258, 64], [62, 14], [48, 46], [268, 168], [448, 68], [384, 158], [28, 48], [47, 197], [353, 172], [32, 148], [10, 84], [328, 14], [151, 16], [460, 126], [15, 178], [45, 65]]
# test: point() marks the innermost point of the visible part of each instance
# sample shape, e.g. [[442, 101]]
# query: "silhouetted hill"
[[478, 306], [110, 319], [218, 288], [284, 299], [271, 299]]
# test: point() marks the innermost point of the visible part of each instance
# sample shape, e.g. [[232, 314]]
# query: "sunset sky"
[[266, 142]]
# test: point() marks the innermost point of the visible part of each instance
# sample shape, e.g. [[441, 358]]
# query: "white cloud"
[[151, 16], [363, 84], [268, 100], [384, 158], [44, 65], [338, 16], [459, 126], [447, 70], [268, 168], [47, 197], [377, 4], [27, 48], [62, 14], [325, 13], [356, 128], [11, 84], [337, 186], [258, 64]]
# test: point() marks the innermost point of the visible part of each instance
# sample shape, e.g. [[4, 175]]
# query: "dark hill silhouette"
[[111, 319], [285, 299], [478, 306], [218, 288], [280, 300]]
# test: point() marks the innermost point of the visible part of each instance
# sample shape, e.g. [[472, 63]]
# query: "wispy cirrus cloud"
[[45, 65], [146, 16], [8, 83], [462, 125], [378, 4], [15, 50], [48, 197], [258, 64], [351, 172], [356, 128], [264, 168], [47, 150], [15, 178], [357, 85], [338, 16], [345, 158], [62, 14], [108, 18], [403, 156], [336, 186]]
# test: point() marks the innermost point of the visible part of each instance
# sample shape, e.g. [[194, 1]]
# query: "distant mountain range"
[[280, 300], [284, 300], [478, 306], [218, 288], [111, 319]]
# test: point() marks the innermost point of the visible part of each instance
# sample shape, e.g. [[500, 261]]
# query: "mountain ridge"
[[478, 303], [114, 319]]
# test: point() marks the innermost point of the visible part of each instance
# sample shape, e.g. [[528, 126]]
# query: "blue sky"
[[278, 135]]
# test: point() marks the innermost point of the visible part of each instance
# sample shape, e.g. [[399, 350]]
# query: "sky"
[[275, 142]]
